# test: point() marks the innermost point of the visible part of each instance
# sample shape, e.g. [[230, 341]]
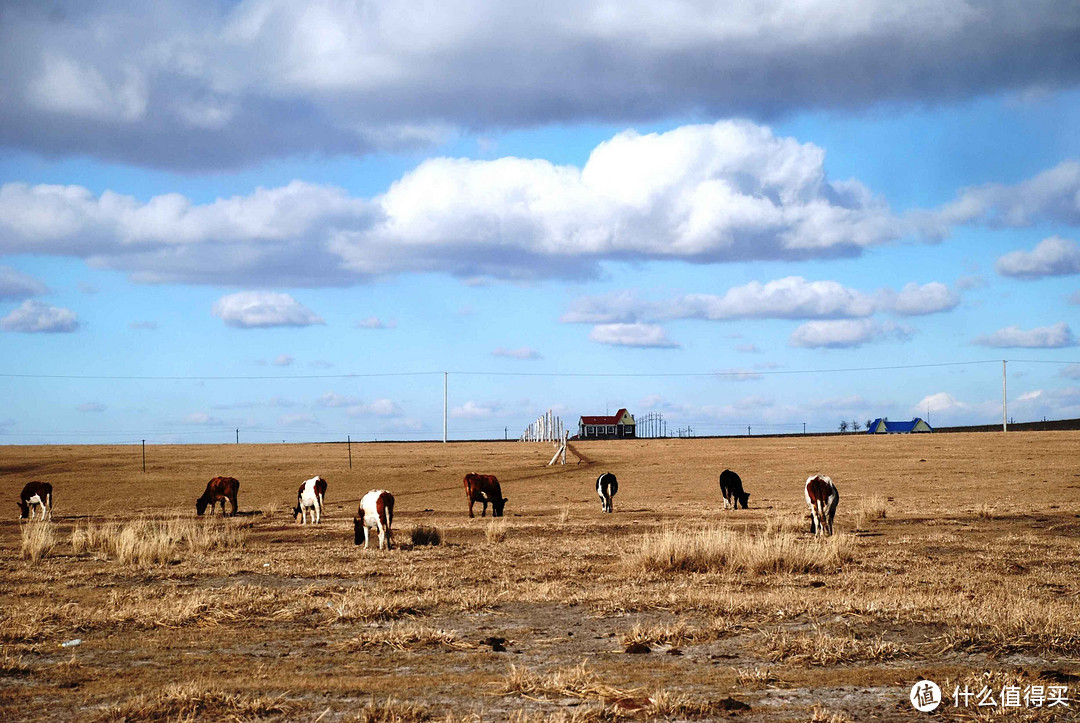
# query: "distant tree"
[[843, 426], [855, 425], [869, 423]]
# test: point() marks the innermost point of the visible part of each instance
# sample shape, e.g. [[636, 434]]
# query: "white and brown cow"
[[606, 487], [484, 488], [376, 512], [310, 496], [35, 495], [732, 491], [218, 490], [821, 498]]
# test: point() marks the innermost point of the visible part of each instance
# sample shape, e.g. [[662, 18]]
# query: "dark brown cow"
[[484, 488], [38, 494], [218, 489], [822, 498]]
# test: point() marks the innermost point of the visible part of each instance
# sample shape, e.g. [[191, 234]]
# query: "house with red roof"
[[619, 426]]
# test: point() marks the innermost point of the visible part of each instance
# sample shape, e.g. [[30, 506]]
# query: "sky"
[[280, 221]]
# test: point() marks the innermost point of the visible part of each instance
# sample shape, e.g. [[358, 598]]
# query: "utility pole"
[[144, 456], [238, 436], [1004, 400], [444, 376], [349, 438], [804, 427]]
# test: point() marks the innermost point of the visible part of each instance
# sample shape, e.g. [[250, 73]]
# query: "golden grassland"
[[957, 559]]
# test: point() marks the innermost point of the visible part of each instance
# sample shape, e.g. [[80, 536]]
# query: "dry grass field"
[[957, 560]]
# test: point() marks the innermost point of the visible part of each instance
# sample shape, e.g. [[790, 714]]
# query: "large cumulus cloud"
[[729, 191]]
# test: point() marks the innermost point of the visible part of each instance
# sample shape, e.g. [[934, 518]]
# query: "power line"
[[740, 373]]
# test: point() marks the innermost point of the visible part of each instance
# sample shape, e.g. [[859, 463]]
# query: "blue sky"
[[291, 219]]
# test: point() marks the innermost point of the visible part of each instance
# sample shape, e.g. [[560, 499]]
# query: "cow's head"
[[743, 498], [296, 513], [497, 507], [200, 505], [358, 531], [24, 508]]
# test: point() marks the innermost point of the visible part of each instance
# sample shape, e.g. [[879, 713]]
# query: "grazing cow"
[[732, 491], [606, 487], [38, 494], [822, 498], [376, 511], [310, 497], [484, 488], [218, 489]]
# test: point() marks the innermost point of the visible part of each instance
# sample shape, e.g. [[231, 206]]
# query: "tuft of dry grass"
[[680, 633], [404, 636], [38, 541], [153, 542], [820, 714], [868, 509], [755, 677], [13, 665], [426, 535], [580, 682], [721, 549], [823, 649], [496, 530], [194, 700]]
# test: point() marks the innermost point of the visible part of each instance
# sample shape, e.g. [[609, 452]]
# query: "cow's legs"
[[317, 512], [365, 535], [471, 503]]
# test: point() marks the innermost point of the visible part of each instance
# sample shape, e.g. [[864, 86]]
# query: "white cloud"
[[261, 309], [731, 191], [283, 360], [33, 317], [915, 300], [523, 353], [475, 410], [1044, 337], [634, 335], [748, 349], [968, 283], [220, 83], [91, 407], [202, 419], [1053, 195], [846, 334], [17, 285], [1054, 256], [298, 420], [377, 408], [373, 322], [333, 399], [1071, 371], [792, 297]]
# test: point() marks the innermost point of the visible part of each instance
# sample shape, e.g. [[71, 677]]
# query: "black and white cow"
[[36, 495], [606, 487], [822, 499], [732, 491]]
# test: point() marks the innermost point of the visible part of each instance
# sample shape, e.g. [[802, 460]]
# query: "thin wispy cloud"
[[15, 285], [847, 333], [1044, 337], [523, 353]]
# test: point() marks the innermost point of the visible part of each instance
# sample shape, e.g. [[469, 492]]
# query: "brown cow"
[[218, 489], [38, 494], [484, 488], [822, 498], [376, 511]]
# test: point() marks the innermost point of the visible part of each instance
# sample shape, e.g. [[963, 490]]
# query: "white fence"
[[547, 428]]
